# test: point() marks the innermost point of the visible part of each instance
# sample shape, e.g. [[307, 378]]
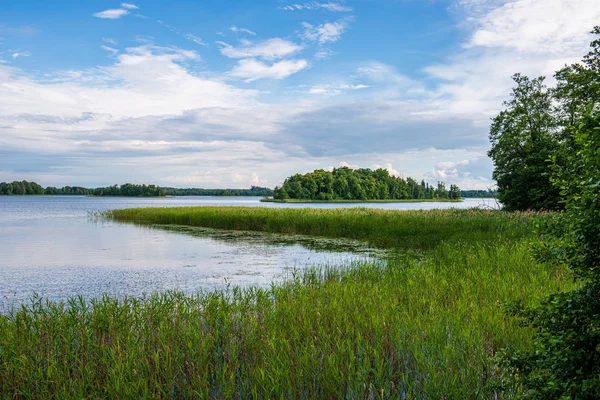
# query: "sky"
[[219, 93]]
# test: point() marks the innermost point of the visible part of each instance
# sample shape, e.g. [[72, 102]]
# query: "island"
[[344, 184]]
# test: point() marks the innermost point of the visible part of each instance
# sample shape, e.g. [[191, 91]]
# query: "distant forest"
[[253, 191], [479, 194], [127, 190], [131, 190], [360, 184], [20, 188], [342, 183]]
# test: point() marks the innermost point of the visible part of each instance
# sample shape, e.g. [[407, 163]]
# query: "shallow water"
[[50, 245]]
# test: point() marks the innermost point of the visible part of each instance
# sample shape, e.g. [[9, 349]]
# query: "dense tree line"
[[127, 190], [20, 188], [359, 184], [253, 191], [68, 191], [563, 125], [479, 194], [130, 190]]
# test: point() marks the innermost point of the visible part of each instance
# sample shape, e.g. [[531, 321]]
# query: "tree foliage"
[[20, 188], [68, 191], [131, 190], [479, 193], [523, 137], [538, 123], [359, 184], [32, 188], [253, 191], [564, 362]]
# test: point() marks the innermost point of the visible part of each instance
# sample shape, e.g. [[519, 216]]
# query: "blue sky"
[[215, 94]]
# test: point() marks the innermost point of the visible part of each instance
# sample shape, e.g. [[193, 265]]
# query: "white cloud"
[[380, 72], [251, 69], [388, 167], [446, 169], [170, 27], [538, 27], [534, 37], [269, 49], [215, 177], [145, 80], [151, 116], [129, 6], [390, 83], [109, 40], [111, 50], [18, 54], [147, 119], [334, 90], [115, 13], [327, 32], [472, 10], [256, 181], [323, 54], [351, 166], [475, 173], [331, 6], [195, 39], [235, 29], [177, 31]]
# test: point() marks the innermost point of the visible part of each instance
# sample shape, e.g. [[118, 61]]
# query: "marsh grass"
[[414, 230], [408, 327]]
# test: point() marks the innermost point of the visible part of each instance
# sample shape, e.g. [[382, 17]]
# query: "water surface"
[[49, 245]]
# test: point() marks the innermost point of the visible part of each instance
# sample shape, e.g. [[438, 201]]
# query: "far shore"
[[135, 197]]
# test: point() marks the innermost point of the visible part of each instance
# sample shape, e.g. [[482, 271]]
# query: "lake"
[[52, 246]]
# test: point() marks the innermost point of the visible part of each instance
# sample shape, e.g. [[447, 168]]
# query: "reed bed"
[[381, 228], [425, 327]]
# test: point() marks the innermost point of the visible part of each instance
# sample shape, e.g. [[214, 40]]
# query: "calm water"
[[50, 246]]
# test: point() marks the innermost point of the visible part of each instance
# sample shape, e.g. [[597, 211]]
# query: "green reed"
[[382, 228], [410, 327]]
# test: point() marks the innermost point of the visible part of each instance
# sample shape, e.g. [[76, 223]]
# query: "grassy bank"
[[411, 327], [270, 200]]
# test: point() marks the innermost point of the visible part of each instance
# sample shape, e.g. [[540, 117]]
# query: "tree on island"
[[359, 184]]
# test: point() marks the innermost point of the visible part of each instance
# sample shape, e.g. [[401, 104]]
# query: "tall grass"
[[411, 327], [381, 228]]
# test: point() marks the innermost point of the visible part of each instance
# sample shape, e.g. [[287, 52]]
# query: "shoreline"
[[132, 197]]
